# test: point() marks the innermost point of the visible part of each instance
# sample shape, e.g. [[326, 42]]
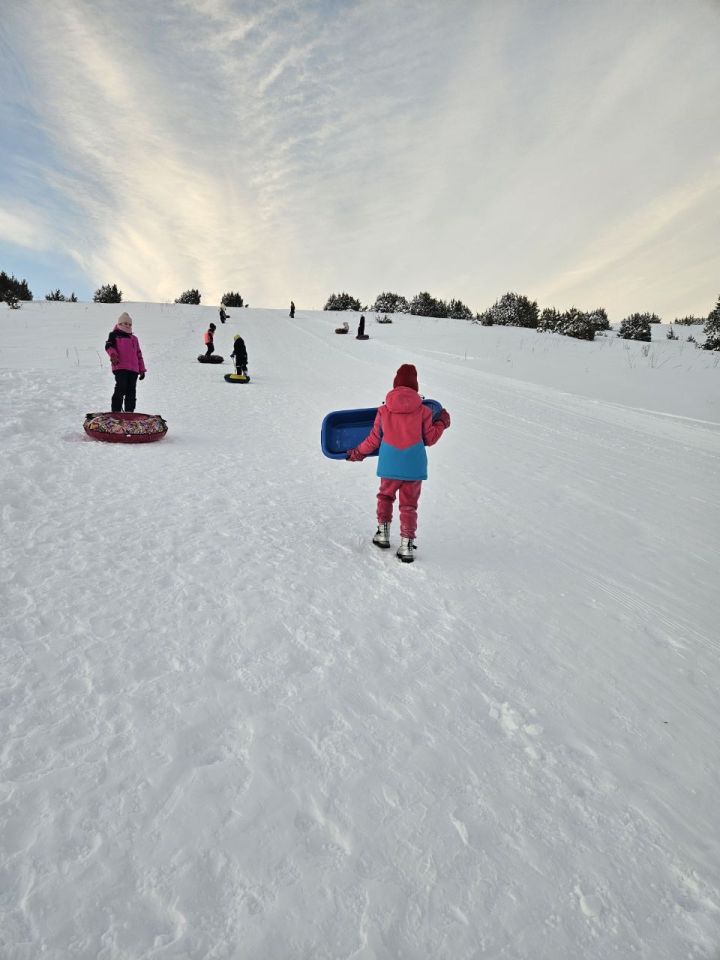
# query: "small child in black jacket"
[[239, 352]]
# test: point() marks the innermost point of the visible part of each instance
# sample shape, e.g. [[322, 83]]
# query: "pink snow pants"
[[409, 495]]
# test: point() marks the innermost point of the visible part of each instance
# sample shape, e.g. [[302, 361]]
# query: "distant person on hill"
[[209, 340], [292, 309], [127, 363], [239, 353], [402, 429], [361, 327], [223, 315]]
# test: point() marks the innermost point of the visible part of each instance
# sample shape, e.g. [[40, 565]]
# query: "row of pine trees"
[[517, 310], [13, 291], [511, 309]]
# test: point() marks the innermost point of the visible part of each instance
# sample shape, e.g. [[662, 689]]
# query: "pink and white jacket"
[[124, 351]]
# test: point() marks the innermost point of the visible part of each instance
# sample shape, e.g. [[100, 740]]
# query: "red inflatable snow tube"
[[125, 427]]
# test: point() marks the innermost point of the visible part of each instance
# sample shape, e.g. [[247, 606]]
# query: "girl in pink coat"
[[402, 429], [127, 363]]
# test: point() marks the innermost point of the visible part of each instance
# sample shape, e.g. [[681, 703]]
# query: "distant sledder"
[[239, 354], [209, 339]]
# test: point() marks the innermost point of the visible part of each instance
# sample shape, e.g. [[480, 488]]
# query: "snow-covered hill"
[[231, 728]]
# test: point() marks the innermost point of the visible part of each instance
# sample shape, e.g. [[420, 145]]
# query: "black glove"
[[141, 377]]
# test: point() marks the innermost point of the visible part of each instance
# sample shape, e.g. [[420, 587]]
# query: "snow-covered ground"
[[232, 728]]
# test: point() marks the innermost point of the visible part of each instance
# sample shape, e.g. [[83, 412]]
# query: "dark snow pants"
[[409, 491], [125, 384]]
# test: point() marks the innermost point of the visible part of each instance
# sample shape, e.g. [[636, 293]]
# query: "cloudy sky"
[[294, 148]]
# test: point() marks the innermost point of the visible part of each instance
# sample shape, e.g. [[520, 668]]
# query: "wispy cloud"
[[636, 232], [24, 226], [291, 149], [623, 253]]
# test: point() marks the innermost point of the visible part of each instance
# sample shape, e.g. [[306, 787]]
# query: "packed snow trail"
[[232, 728]]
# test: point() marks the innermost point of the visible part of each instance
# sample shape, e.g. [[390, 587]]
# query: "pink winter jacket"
[[124, 351], [402, 429]]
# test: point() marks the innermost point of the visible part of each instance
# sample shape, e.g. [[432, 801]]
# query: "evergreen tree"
[[23, 291], [57, 295], [458, 311], [689, 321], [14, 288], [231, 299], [189, 296], [575, 323], [515, 310], [390, 303], [342, 301], [599, 319], [423, 305], [570, 323], [712, 329], [636, 327], [108, 294], [549, 320]]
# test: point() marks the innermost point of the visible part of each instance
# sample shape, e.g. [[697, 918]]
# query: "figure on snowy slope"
[[209, 340], [402, 429], [127, 363], [239, 352]]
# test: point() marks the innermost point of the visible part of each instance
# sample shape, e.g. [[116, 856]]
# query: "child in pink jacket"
[[127, 363], [402, 429]]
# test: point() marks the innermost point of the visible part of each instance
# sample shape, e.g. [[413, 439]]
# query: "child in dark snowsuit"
[[209, 340], [402, 429], [239, 352]]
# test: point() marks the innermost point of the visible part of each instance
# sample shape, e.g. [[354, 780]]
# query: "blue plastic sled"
[[342, 430]]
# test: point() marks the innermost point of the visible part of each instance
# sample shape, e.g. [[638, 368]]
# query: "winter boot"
[[405, 550], [382, 537]]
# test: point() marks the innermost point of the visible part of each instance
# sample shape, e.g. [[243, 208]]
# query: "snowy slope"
[[231, 728]]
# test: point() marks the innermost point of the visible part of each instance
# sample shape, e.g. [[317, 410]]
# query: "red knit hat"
[[406, 377]]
